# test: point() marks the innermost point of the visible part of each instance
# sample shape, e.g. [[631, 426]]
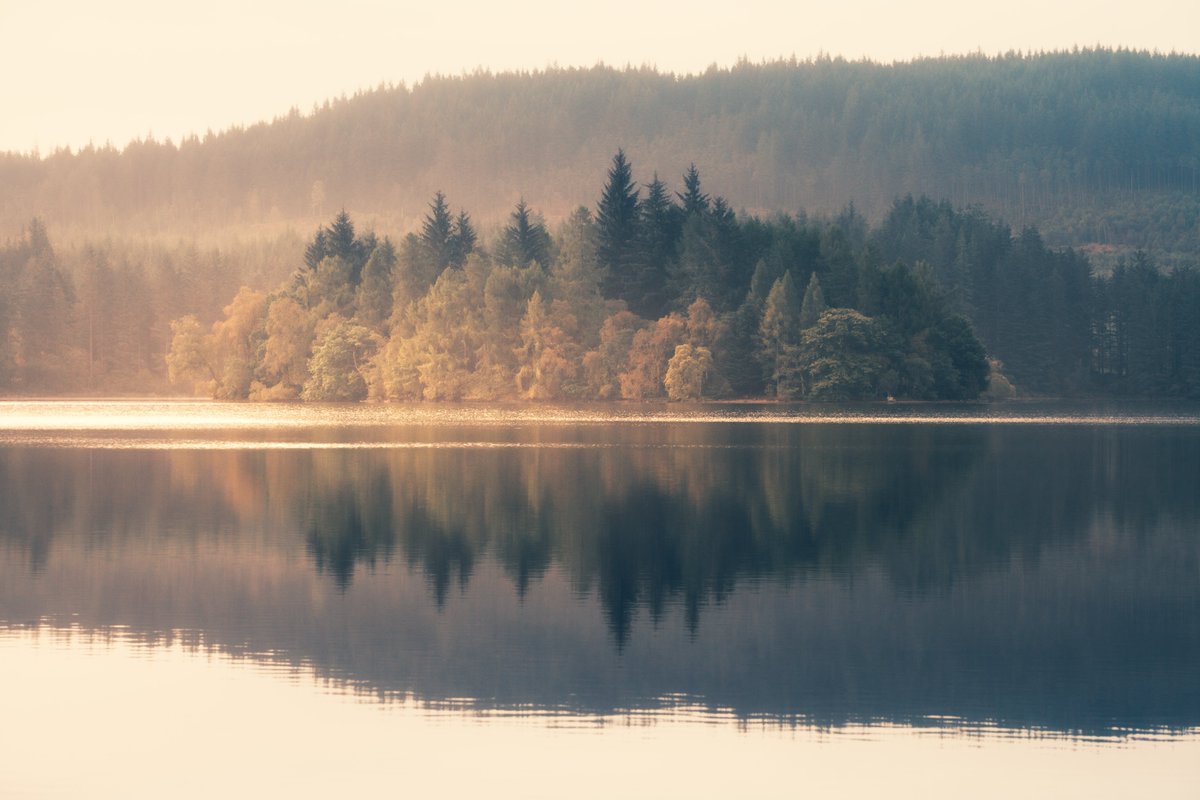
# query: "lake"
[[651, 601]]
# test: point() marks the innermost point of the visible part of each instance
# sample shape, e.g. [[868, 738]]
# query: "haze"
[[117, 71]]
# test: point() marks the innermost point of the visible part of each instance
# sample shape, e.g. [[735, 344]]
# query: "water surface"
[[939, 588]]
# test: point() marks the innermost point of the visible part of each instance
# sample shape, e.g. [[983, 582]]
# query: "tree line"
[[669, 294], [656, 292], [1094, 147]]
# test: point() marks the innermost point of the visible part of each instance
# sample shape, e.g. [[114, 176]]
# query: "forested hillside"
[[655, 292], [1099, 149]]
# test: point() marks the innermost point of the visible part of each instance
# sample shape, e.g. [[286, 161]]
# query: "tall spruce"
[[617, 228], [524, 240], [693, 200], [813, 305], [436, 232], [462, 240], [779, 328], [658, 236]]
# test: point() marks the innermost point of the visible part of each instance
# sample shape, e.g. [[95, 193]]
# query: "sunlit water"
[[525, 601]]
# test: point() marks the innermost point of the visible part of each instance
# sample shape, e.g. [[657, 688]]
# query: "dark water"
[[1012, 574]]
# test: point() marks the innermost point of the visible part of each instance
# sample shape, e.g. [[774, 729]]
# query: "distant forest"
[[1098, 149], [657, 292]]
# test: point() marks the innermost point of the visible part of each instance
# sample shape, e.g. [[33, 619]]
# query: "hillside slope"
[[1098, 148]]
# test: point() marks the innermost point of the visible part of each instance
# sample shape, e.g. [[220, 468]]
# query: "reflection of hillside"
[[837, 571], [675, 514]]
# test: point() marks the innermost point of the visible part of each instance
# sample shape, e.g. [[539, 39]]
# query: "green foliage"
[[838, 359], [373, 300], [617, 228], [1094, 147], [338, 369], [339, 241], [779, 327], [813, 305], [575, 277], [445, 240], [445, 323], [524, 240]]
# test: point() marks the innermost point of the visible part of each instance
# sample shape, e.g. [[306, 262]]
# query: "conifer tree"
[[524, 240], [694, 201], [462, 240], [617, 224], [813, 305], [436, 232], [658, 236], [779, 328], [374, 300]]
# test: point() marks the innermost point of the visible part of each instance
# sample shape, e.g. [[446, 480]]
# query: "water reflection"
[[1043, 577]]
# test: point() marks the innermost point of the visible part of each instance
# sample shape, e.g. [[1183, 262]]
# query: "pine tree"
[[813, 305], [694, 201], [436, 231], [374, 299], [462, 240], [524, 240], [617, 224], [658, 236], [779, 328]]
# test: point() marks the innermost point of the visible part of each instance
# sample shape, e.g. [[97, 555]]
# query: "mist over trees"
[[1096, 148], [483, 250], [671, 295], [658, 294]]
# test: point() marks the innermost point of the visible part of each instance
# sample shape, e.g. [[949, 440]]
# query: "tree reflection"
[[668, 518], [1041, 574], [351, 523]]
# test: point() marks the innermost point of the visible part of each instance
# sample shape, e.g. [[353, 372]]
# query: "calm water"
[[530, 601]]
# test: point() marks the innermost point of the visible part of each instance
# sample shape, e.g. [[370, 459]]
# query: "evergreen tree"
[[436, 232], [462, 240], [779, 327], [575, 277], [373, 302], [339, 241], [524, 240], [657, 239], [617, 228], [813, 305], [692, 199]]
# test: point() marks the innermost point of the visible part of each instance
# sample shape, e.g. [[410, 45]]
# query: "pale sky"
[[74, 71]]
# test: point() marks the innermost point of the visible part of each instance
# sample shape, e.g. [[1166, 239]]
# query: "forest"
[[945, 228], [1099, 149], [659, 291]]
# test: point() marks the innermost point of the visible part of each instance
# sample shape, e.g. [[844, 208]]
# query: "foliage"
[[780, 326], [524, 240], [687, 371], [338, 369], [942, 290], [839, 358], [1095, 147]]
